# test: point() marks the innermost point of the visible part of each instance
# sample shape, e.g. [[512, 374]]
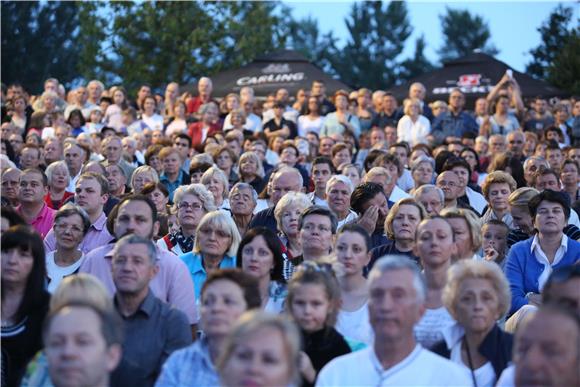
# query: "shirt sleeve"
[[515, 275]]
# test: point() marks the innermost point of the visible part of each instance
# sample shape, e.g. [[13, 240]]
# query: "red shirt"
[[55, 205], [195, 103]]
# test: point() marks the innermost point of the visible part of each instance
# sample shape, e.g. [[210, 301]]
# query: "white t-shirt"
[[306, 125], [56, 273], [398, 194], [355, 325], [155, 122], [430, 328]]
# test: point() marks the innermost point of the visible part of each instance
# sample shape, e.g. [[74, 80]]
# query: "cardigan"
[[523, 270]]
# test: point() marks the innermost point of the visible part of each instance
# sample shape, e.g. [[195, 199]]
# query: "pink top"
[[97, 236], [172, 284], [44, 220]]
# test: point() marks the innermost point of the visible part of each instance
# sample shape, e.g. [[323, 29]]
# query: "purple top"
[[97, 236]]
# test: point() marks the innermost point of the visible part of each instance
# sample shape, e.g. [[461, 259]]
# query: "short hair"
[[144, 169], [101, 180], [472, 269], [81, 287], [247, 282], [70, 209], [410, 102], [241, 185], [53, 166], [473, 223], [420, 160], [497, 177], [339, 179], [389, 230], [286, 169], [224, 148], [273, 243], [167, 151], [426, 188], [289, 199], [362, 194], [496, 222], [391, 262], [133, 239], [135, 198], [358, 229], [44, 179], [219, 219], [522, 196], [389, 158], [254, 157], [319, 210], [152, 150], [454, 162], [197, 190], [13, 217], [119, 169], [544, 172], [549, 196], [339, 147], [219, 175], [324, 160], [183, 136], [150, 187], [377, 171], [571, 162]]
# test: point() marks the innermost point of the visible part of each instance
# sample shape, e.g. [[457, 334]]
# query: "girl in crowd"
[[260, 255], [313, 302], [497, 187], [216, 182], [466, 230], [470, 155], [58, 179], [352, 252], [312, 121], [77, 122], [363, 109], [149, 116], [252, 171]]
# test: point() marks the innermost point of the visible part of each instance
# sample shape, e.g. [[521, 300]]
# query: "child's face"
[[95, 117], [126, 119], [495, 236], [310, 307]]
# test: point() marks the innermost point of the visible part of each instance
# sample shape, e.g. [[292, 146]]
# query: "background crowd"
[[183, 239]]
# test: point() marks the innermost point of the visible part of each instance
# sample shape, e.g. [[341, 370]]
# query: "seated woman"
[[477, 295], [216, 182], [252, 171], [530, 262], [466, 227], [215, 247], [141, 176], [226, 160], [497, 187], [422, 170], [58, 179]]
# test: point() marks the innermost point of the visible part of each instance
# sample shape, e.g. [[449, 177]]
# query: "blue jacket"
[[523, 269]]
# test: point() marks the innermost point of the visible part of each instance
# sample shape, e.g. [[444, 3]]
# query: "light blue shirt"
[[193, 261], [191, 366]]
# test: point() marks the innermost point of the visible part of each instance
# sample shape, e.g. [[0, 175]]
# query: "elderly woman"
[[237, 118], [243, 200], [338, 191], [159, 195], [225, 296], [192, 202], [261, 349], [142, 176], [400, 227], [287, 214], [413, 127], [422, 170], [58, 179], [226, 159], [431, 197], [529, 263], [252, 171], [71, 224], [201, 130], [215, 247], [152, 158], [340, 120], [260, 255], [477, 295], [497, 187], [216, 181], [467, 230]]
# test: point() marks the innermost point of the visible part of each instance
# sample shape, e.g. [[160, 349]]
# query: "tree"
[[464, 33], [419, 64], [554, 32], [564, 71], [39, 42]]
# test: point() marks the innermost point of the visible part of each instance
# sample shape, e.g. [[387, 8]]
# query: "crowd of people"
[[352, 240]]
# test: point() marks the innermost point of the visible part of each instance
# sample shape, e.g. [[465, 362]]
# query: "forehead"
[[317, 218], [547, 204], [11, 174], [434, 225], [72, 218], [339, 185], [398, 278], [76, 320], [285, 178], [132, 250], [87, 182], [135, 207], [31, 176], [223, 287], [545, 323], [242, 191], [495, 228], [447, 175], [429, 195], [321, 167]]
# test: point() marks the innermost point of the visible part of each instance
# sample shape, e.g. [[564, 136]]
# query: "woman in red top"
[[208, 125], [58, 179]]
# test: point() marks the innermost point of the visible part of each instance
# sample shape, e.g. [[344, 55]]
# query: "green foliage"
[[564, 71], [418, 64], [463, 33]]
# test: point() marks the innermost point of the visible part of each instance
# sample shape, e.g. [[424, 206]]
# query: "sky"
[[513, 25]]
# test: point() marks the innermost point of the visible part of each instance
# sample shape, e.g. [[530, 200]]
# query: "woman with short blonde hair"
[[413, 128], [497, 187], [252, 171], [58, 178], [467, 230], [287, 214], [139, 178], [216, 181]]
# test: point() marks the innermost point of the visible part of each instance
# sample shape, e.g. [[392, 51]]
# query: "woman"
[[225, 296], [216, 243], [260, 255], [142, 176], [497, 187], [252, 171], [312, 121], [71, 224], [352, 251], [237, 119], [261, 350], [24, 300], [341, 154], [113, 115], [226, 160], [363, 109], [513, 166], [435, 246], [400, 227], [502, 122], [58, 179], [523, 224], [340, 120], [201, 130], [152, 158], [178, 122], [470, 155], [353, 172], [413, 127], [192, 202], [216, 182], [423, 171], [19, 118], [77, 122], [287, 214], [477, 295], [467, 231], [158, 195], [149, 116]]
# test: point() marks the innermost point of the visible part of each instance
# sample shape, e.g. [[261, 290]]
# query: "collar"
[[536, 243], [197, 263], [178, 180], [100, 223], [385, 373], [146, 306]]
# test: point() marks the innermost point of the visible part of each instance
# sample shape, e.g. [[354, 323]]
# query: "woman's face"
[[118, 97], [352, 252], [222, 303], [75, 121], [236, 120], [502, 106], [434, 244], [224, 161], [160, 200], [550, 218], [261, 359], [477, 306], [423, 174], [278, 141], [414, 110], [248, 166], [59, 178], [69, 232], [216, 187], [353, 175], [190, 211], [19, 105], [210, 114], [32, 139], [522, 219], [341, 102], [232, 103], [290, 217], [155, 163], [140, 180], [406, 221], [16, 265], [341, 157], [498, 196], [149, 106], [214, 240], [470, 158], [313, 104], [49, 104], [257, 258], [339, 198], [179, 110], [463, 175], [462, 237]]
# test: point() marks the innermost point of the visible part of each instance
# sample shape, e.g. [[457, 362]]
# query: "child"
[[95, 117], [313, 302], [494, 246]]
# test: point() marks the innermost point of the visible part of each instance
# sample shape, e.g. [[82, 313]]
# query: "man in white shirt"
[[397, 294]]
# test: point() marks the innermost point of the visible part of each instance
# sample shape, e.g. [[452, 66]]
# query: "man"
[[317, 227], [448, 182], [515, 144], [204, 88], [539, 118], [112, 147], [318, 90], [465, 194], [79, 103], [16, 141], [52, 151], [30, 157], [74, 156], [116, 179], [377, 100], [253, 121], [531, 166], [546, 178], [82, 344], [431, 197], [388, 113], [153, 329], [496, 144], [325, 147], [284, 180], [95, 90], [182, 142], [397, 293], [338, 191], [369, 202], [554, 156], [32, 208], [91, 193], [10, 186], [390, 134], [451, 125], [289, 113], [405, 180], [322, 171], [136, 214], [172, 176]]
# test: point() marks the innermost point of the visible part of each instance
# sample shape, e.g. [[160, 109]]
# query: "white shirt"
[[420, 368], [56, 273], [476, 200], [355, 325], [541, 257], [406, 182], [73, 183], [253, 123], [413, 132], [315, 200], [398, 194], [508, 377], [352, 216], [306, 125], [429, 330], [155, 122]]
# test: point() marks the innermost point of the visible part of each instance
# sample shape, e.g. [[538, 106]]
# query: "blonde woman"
[[497, 188], [252, 171], [216, 181], [287, 214], [142, 176], [413, 128], [466, 227]]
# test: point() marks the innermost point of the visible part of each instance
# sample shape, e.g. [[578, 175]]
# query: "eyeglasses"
[[192, 206], [65, 227]]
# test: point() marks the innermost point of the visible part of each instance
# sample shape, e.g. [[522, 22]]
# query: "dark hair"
[[152, 150], [319, 210], [454, 162], [371, 158], [103, 183], [324, 160], [441, 159], [553, 145], [77, 113], [115, 210], [477, 166], [503, 161], [497, 222], [9, 150], [558, 276], [245, 281], [27, 239], [39, 172], [13, 217], [273, 244], [142, 107], [571, 162], [355, 228], [543, 171], [184, 136], [389, 158], [549, 196], [150, 187], [288, 145], [401, 145], [196, 166], [362, 194]]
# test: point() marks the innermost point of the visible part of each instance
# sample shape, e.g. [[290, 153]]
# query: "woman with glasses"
[[215, 247], [192, 202]]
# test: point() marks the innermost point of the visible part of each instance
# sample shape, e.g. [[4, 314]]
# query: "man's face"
[[52, 151], [393, 174], [394, 307], [81, 95], [242, 202], [171, 91], [530, 168], [565, 294], [135, 217], [481, 106], [569, 175], [463, 175], [497, 145], [11, 184], [115, 177], [379, 201], [516, 143], [132, 269], [388, 103], [204, 86], [321, 173], [94, 91], [417, 91], [574, 154], [282, 184], [113, 151], [282, 95], [540, 106], [377, 136], [182, 147], [316, 233], [455, 149], [29, 158], [339, 198], [401, 154], [76, 351], [260, 150], [171, 163], [449, 184], [32, 190], [289, 156], [432, 202], [318, 89], [548, 181], [51, 86], [326, 147], [17, 142], [554, 157], [88, 195], [390, 134], [456, 101], [546, 352]]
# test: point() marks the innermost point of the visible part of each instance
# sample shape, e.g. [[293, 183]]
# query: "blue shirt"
[[193, 261], [172, 186], [448, 124]]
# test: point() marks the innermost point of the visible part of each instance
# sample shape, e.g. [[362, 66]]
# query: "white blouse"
[[413, 132]]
